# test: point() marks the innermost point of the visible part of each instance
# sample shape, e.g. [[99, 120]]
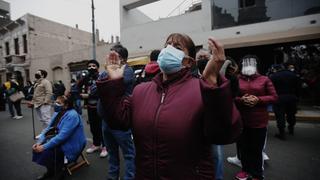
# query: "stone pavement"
[[298, 158]]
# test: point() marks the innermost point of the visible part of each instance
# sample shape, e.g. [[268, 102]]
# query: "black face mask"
[[37, 76], [201, 64], [92, 72]]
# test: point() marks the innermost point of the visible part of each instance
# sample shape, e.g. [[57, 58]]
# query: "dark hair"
[[29, 82], [43, 73], [122, 51], [93, 61], [186, 41], [154, 55], [67, 101]]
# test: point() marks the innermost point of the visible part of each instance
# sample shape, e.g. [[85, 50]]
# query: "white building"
[[244, 26]]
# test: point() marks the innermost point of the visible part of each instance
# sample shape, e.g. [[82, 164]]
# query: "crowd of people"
[[173, 123]]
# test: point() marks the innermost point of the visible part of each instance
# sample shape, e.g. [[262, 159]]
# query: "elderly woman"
[[175, 116], [64, 137]]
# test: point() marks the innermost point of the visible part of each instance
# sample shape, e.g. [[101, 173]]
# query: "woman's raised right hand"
[[113, 66]]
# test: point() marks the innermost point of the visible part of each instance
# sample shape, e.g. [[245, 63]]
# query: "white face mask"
[[249, 66]]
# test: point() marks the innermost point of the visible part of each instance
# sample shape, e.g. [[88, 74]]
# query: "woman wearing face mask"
[[64, 137], [172, 115], [256, 92]]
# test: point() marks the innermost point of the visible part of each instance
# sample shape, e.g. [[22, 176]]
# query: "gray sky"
[[71, 12]]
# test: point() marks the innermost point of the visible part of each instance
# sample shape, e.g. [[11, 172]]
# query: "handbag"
[[53, 129], [52, 132], [16, 96]]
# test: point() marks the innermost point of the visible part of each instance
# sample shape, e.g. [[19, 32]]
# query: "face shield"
[[249, 66]]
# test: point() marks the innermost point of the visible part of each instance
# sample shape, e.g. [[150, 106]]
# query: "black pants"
[[17, 106], [285, 111], [252, 142], [52, 159], [95, 126]]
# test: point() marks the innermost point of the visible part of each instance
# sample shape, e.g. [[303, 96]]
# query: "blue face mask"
[[57, 107], [170, 60]]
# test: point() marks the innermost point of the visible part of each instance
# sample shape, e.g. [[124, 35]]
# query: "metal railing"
[[183, 7]]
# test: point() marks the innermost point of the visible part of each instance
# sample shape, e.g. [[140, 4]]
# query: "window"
[[246, 3], [16, 46], [27, 71], [25, 43], [7, 48]]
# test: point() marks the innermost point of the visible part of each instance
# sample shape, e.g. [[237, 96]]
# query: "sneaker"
[[14, 117], [104, 152], [38, 136], [92, 149], [18, 117], [242, 176], [234, 160], [265, 156]]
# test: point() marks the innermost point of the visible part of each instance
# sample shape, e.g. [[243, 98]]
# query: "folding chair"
[[72, 166]]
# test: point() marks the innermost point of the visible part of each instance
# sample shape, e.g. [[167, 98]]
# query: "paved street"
[[298, 158]]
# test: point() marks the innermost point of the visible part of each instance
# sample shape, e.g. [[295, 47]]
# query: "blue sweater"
[[70, 135]]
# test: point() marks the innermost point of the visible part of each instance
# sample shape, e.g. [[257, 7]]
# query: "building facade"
[[31, 43], [286, 31], [237, 23]]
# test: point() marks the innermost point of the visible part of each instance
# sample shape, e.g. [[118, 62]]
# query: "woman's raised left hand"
[[217, 59]]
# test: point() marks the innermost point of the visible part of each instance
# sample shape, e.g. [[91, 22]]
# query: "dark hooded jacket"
[[168, 123]]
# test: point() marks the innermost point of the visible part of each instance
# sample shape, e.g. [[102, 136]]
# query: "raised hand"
[[217, 59], [113, 66]]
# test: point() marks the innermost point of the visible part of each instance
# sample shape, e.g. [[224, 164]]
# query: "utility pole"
[[93, 33]]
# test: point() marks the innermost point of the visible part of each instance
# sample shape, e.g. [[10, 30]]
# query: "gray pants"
[[44, 114]]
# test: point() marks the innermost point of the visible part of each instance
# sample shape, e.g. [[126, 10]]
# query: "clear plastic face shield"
[[249, 66]]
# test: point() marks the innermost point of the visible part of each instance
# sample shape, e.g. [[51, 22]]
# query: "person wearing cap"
[[89, 82], [116, 139]]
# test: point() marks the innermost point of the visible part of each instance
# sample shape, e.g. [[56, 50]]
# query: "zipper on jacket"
[[155, 137]]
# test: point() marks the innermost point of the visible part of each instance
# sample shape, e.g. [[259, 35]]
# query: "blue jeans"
[[113, 140], [217, 153], [77, 106]]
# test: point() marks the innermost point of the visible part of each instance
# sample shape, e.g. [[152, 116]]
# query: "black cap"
[[92, 61]]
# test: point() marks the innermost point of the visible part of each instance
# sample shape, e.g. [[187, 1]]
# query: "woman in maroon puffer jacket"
[[255, 93], [172, 115]]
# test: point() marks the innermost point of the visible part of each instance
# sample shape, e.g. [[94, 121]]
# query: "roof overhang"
[[291, 35]]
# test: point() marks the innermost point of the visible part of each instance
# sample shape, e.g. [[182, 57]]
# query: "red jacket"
[[262, 87], [167, 123]]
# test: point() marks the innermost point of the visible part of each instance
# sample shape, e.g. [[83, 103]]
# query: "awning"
[[138, 61]]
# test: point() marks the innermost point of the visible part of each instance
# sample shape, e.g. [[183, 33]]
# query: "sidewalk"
[[304, 114]]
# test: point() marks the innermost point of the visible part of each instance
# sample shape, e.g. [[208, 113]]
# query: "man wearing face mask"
[[256, 92], [41, 100], [89, 82], [117, 139], [287, 86], [229, 70]]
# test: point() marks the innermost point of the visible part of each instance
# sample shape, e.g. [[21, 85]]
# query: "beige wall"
[[53, 62], [49, 38], [49, 44]]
